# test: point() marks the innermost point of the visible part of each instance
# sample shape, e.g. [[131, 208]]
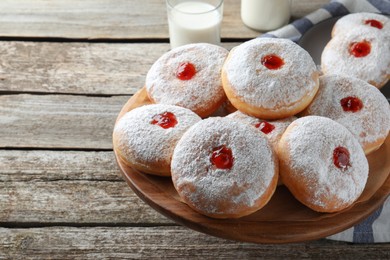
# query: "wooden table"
[[66, 69]]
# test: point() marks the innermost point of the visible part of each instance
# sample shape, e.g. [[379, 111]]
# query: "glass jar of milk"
[[265, 15], [193, 21]]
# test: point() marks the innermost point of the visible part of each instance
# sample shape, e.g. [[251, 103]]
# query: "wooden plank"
[[77, 68], [74, 202], [112, 19], [80, 68], [58, 121], [42, 165], [169, 242], [68, 187]]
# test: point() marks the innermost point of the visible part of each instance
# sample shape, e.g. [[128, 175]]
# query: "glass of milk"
[[265, 15], [192, 21]]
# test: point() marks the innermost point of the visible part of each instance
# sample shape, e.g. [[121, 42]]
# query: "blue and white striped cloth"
[[376, 228], [296, 29]]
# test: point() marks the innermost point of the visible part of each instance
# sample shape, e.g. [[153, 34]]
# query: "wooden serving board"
[[282, 220]]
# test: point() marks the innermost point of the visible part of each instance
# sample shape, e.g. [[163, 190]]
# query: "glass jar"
[[265, 15]]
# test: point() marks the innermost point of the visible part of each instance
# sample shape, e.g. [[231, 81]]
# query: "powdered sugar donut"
[[355, 104], [364, 55], [145, 137], [189, 76], [377, 23], [322, 164], [224, 169], [270, 78], [273, 130]]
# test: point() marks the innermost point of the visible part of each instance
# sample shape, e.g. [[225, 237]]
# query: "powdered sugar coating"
[[357, 22], [373, 68], [369, 124], [311, 141], [214, 191], [198, 93], [271, 89], [273, 136], [144, 144]]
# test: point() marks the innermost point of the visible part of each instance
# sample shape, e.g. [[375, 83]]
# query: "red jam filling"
[[351, 104], [360, 49], [165, 120], [341, 158], [185, 71], [265, 127], [222, 157], [272, 62], [374, 23]]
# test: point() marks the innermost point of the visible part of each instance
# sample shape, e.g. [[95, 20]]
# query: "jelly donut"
[[361, 55], [224, 169], [378, 23], [145, 137], [273, 130], [355, 104], [322, 164], [270, 78], [189, 76]]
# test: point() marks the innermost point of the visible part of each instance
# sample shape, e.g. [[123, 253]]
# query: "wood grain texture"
[[74, 202], [58, 121], [163, 242], [112, 19], [80, 68], [46, 187], [77, 68], [45, 166]]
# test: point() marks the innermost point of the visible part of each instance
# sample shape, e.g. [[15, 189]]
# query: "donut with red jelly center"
[[189, 76], [224, 169], [361, 54], [145, 137], [270, 78], [322, 164]]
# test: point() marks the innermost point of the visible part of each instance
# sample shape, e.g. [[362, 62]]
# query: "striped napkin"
[[376, 228], [296, 29]]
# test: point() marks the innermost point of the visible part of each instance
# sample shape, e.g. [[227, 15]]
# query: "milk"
[[192, 22], [265, 15]]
